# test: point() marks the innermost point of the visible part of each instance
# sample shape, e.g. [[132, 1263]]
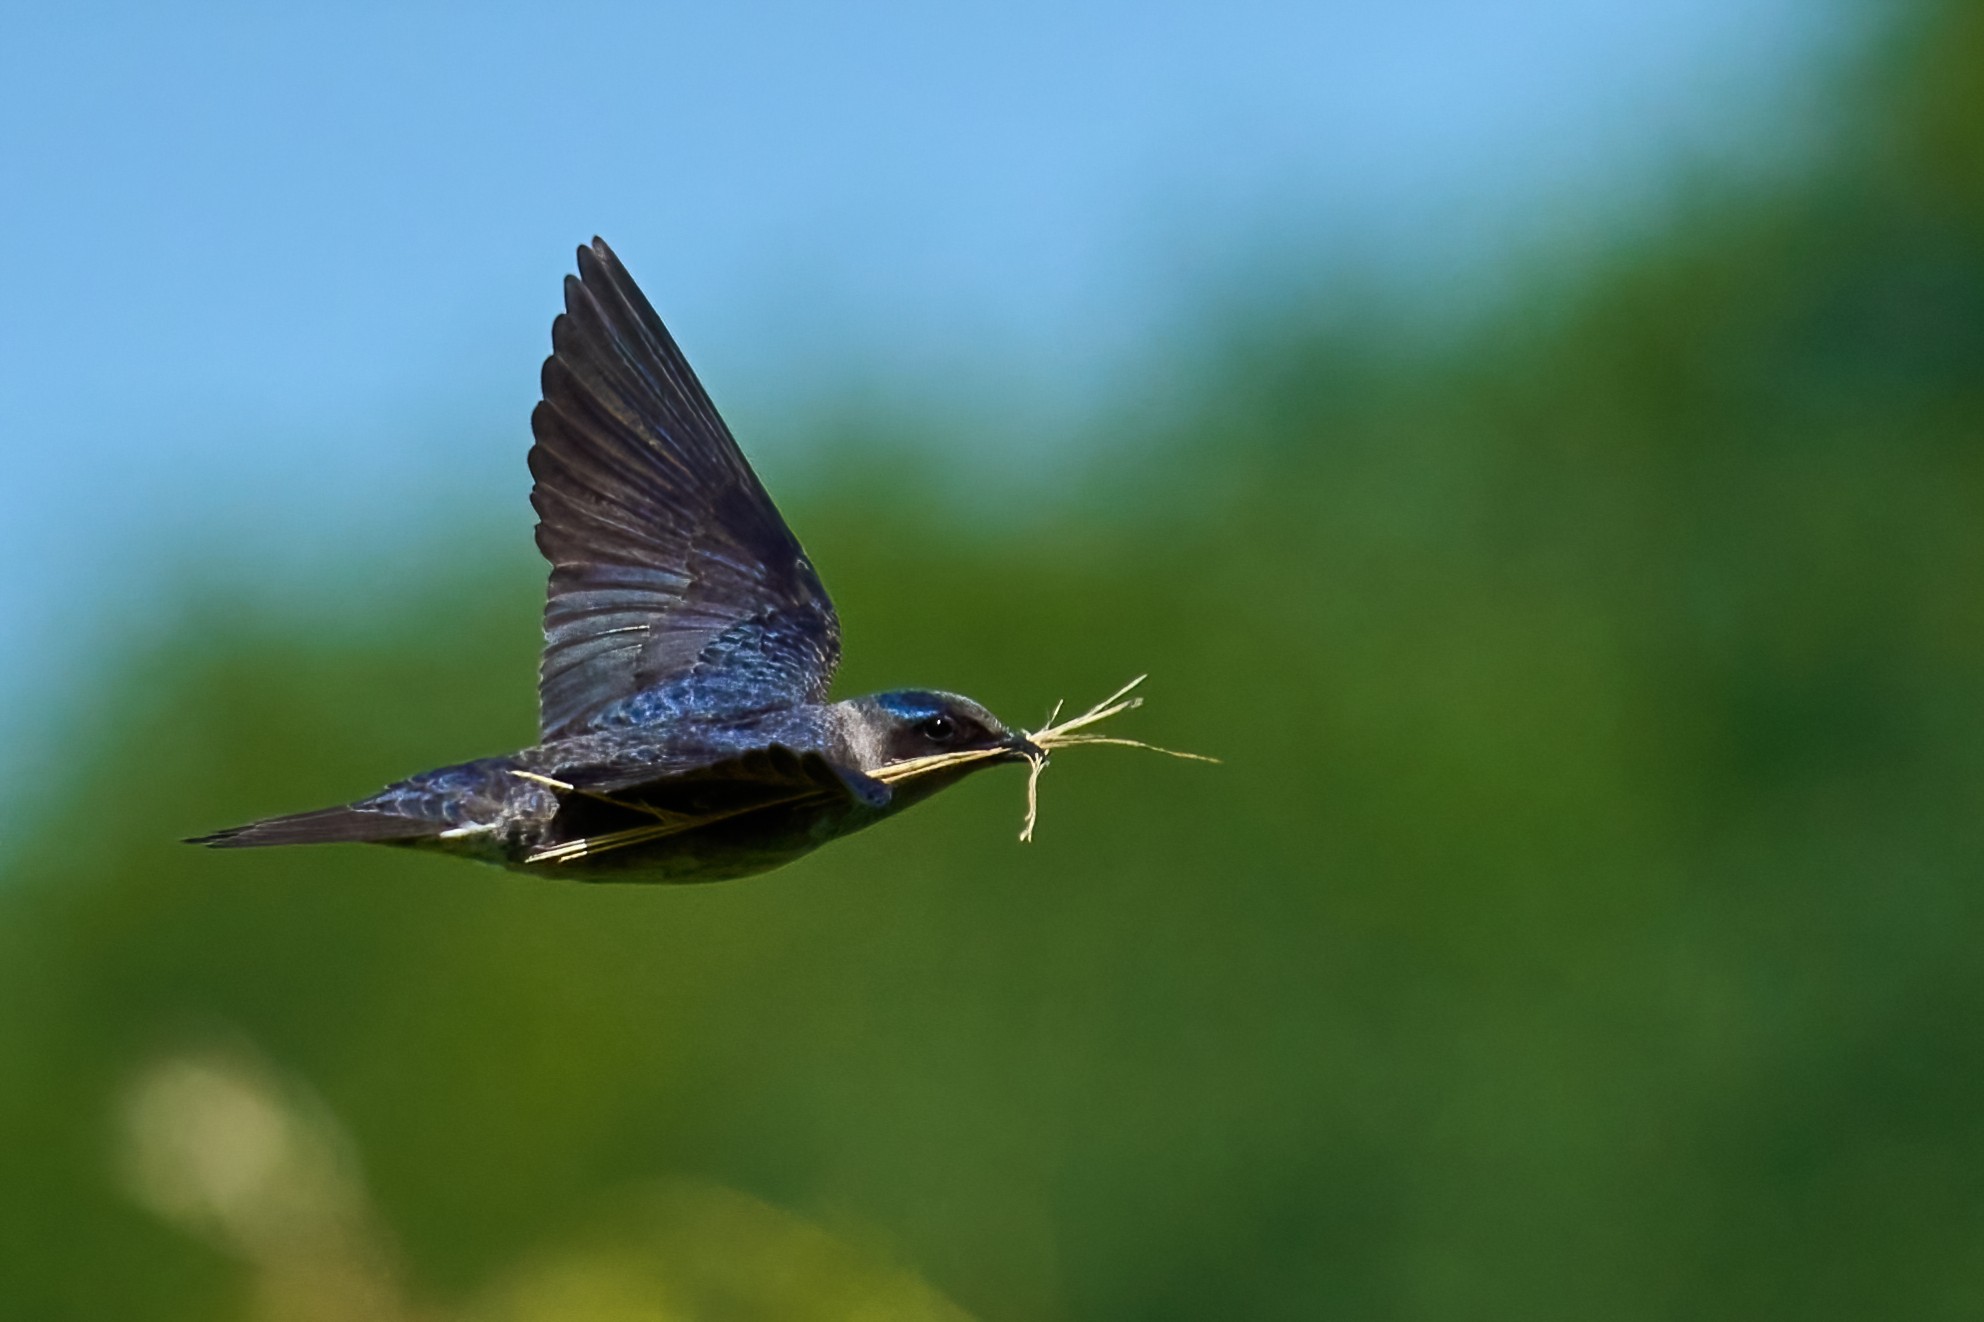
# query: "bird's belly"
[[722, 851]]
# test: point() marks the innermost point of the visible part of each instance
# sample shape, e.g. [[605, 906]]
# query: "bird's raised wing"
[[666, 554]]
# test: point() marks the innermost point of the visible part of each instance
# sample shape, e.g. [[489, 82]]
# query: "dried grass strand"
[[1057, 733]]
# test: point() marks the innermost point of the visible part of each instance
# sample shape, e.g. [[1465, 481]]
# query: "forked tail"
[[342, 825]]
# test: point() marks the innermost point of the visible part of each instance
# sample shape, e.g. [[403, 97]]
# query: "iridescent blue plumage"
[[689, 645]]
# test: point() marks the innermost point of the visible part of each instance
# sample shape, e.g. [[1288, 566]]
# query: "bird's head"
[[907, 723]]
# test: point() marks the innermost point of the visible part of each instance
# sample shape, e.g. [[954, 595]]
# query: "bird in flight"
[[685, 731]]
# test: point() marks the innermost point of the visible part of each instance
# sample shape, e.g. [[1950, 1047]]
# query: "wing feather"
[[667, 556]]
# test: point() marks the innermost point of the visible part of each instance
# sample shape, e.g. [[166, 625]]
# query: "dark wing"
[[771, 772], [665, 551], [605, 800]]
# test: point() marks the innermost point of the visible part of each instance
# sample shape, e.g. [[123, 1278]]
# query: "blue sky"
[[278, 280]]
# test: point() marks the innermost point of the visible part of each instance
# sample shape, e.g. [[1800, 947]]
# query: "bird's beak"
[[1020, 746]]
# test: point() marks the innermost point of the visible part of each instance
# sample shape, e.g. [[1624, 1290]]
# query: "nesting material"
[[1054, 735]]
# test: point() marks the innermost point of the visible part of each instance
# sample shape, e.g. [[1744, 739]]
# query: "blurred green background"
[[1584, 923]]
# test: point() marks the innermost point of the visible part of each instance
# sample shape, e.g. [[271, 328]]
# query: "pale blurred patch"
[[689, 1250], [227, 1148], [222, 1145]]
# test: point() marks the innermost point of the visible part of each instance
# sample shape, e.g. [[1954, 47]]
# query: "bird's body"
[[689, 645]]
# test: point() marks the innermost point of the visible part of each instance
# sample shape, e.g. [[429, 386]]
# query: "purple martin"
[[685, 731]]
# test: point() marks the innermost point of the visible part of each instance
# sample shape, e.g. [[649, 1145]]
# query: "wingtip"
[[600, 266], [596, 261]]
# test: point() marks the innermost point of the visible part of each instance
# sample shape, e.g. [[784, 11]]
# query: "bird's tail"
[[347, 824]]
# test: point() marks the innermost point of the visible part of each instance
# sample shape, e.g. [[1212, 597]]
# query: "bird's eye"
[[938, 729]]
